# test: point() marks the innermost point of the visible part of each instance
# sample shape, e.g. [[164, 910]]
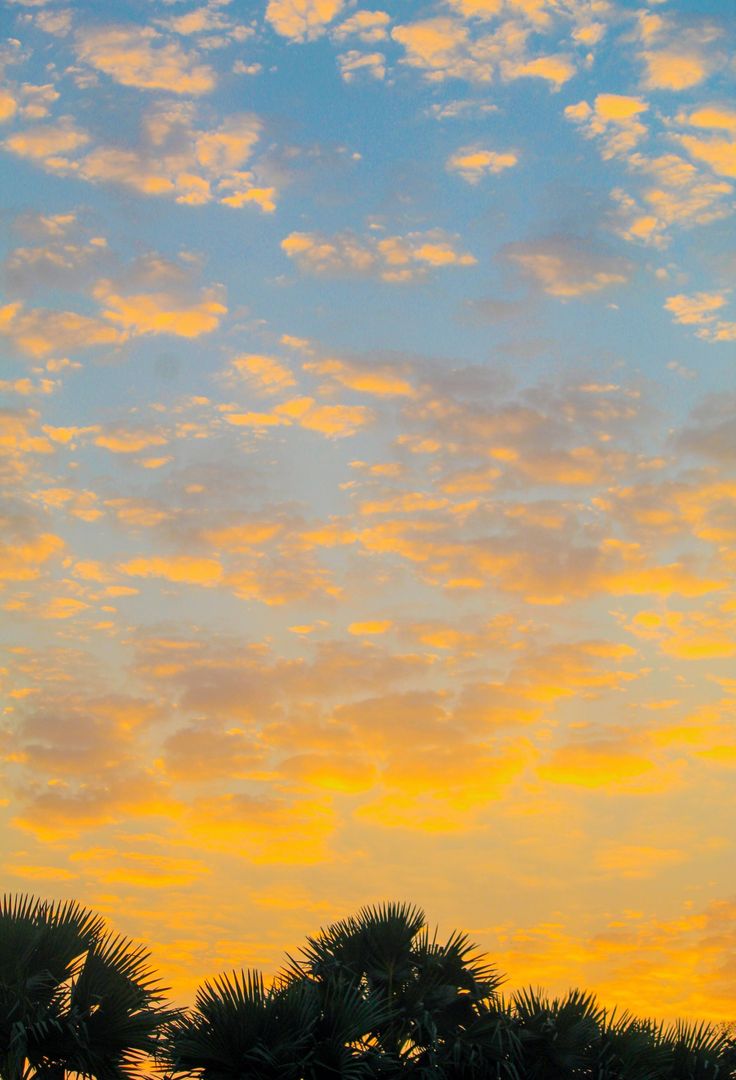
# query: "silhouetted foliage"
[[74, 997], [375, 996], [372, 997]]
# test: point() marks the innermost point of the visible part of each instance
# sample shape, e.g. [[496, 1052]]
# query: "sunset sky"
[[369, 518]]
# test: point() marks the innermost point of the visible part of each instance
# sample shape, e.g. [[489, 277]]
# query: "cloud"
[[379, 380], [699, 504], [8, 106], [473, 163], [714, 115], [139, 56], [22, 558], [204, 20], [693, 635], [57, 263], [565, 267], [64, 811], [613, 119], [677, 57], [160, 312], [75, 735], [48, 144], [302, 20], [38, 332], [185, 569], [533, 556], [354, 63], [389, 258], [82, 504], [719, 154], [264, 829], [20, 441], [174, 157], [206, 750], [596, 764], [371, 626], [701, 310], [679, 195], [674, 68], [126, 440], [369, 26], [448, 48], [557, 69], [638, 860], [334, 421], [265, 374]]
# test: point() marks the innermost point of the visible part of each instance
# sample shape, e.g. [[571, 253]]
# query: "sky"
[[368, 517]]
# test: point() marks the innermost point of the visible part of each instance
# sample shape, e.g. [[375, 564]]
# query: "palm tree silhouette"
[[437, 999], [375, 996], [372, 997], [74, 996], [239, 1028]]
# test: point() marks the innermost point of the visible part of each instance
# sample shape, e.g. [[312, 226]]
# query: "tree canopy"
[[375, 996]]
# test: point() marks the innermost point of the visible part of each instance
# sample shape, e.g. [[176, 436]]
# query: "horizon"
[[368, 462]]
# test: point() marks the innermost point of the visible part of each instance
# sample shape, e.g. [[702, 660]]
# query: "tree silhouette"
[[371, 997], [74, 997]]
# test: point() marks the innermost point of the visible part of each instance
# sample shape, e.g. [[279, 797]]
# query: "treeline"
[[373, 996]]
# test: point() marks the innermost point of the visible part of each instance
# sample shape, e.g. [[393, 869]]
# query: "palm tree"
[[74, 997], [697, 1051], [630, 1049], [431, 995], [559, 1037], [573, 1038], [240, 1030]]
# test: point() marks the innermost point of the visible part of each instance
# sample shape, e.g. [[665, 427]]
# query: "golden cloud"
[[161, 312], [187, 569], [302, 20], [379, 380], [674, 69], [22, 559], [37, 332], [139, 56], [472, 163], [391, 258]]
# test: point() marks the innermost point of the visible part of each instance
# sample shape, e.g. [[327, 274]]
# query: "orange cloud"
[[555, 69], [121, 440], [160, 312], [264, 830], [472, 163], [595, 764], [8, 106], [38, 332], [22, 560], [139, 56], [174, 157], [48, 143], [187, 569], [333, 421], [372, 626], [674, 69], [354, 63], [391, 258], [302, 20], [380, 380], [264, 372], [719, 154]]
